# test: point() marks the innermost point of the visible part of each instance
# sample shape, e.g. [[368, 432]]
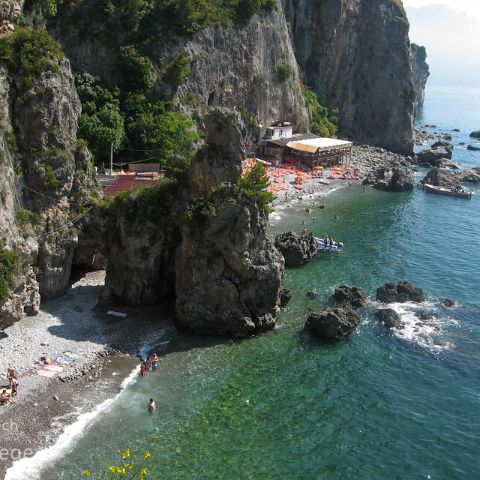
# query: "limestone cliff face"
[[237, 68], [44, 184], [229, 274], [234, 67], [421, 72], [355, 54]]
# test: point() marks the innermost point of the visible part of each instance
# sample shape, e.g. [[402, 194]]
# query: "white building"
[[279, 130]]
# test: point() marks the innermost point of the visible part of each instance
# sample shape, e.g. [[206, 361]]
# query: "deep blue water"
[[380, 405]]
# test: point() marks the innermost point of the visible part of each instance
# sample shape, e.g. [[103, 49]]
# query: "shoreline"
[[109, 349]]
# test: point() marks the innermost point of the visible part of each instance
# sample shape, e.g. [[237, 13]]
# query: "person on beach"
[[6, 398], [11, 374], [154, 361], [151, 407], [325, 242], [143, 369], [14, 387]]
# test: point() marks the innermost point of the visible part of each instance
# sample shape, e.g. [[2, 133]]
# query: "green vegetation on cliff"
[[322, 121], [27, 53], [9, 264]]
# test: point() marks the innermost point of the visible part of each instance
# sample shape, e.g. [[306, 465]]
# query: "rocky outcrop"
[[333, 323], [355, 54], [390, 318], [228, 273], [400, 292], [350, 296], [434, 154], [473, 148], [444, 178], [421, 72], [475, 134], [296, 249], [396, 180], [10, 11]]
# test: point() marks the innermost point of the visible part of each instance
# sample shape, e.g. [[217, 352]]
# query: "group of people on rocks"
[[6, 397], [151, 363]]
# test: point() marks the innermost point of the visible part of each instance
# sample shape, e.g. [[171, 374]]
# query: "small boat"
[[337, 247], [448, 191]]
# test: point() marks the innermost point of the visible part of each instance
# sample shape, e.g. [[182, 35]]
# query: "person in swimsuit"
[[14, 387], [151, 407], [143, 369], [154, 361], [6, 398]]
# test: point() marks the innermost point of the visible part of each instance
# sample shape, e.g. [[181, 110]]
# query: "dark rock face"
[[338, 53], [442, 143], [333, 323], [397, 180], [285, 297], [440, 163], [350, 296], [228, 273], [475, 134], [444, 178], [390, 318], [421, 72], [296, 249], [400, 292], [437, 153]]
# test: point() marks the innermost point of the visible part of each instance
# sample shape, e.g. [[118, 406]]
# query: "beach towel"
[[64, 361], [46, 373]]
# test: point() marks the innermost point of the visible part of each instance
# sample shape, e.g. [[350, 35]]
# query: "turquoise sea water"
[[285, 406]]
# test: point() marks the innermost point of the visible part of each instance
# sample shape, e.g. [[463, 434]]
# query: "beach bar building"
[[319, 151]]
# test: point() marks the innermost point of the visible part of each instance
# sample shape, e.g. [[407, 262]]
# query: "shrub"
[[137, 71], [9, 264], [27, 53], [177, 71], [322, 122], [283, 71], [254, 185]]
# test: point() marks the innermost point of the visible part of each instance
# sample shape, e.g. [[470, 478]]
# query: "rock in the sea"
[[423, 315], [285, 297], [442, 143], [434, 154], [311, 294], [390, 318], [469, 176], [442, 178], [396, 180], [473, 148], [350, 296], [296, 249], [475, 134], [333, 323], [400, 292], [448, 303]]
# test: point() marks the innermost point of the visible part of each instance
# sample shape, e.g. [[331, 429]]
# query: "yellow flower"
[[148, 454], [126, 453], [144, 471], [87, 473], [113, 468]]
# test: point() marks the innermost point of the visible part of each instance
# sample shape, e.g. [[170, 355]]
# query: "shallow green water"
[[285, 406]]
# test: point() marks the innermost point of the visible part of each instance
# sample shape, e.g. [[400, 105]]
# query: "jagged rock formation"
[[390, 318], [207, 247], [44, 183], [444, 178], [333, 323], [296, 249], [10, 11], [351, 296], [400, 292], [355, 54], [435, 154], [421, 72], [396, 180]]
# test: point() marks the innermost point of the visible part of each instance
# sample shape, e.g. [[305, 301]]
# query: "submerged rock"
[[390, 318], [333, 323], [448, 303], [285, 297], [351, 296], [312, 294], [400, 292], [474, 148], [296, 249]]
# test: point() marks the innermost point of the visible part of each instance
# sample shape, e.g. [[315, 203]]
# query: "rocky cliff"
[[46, 177], [355, 54], [421, 72]]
